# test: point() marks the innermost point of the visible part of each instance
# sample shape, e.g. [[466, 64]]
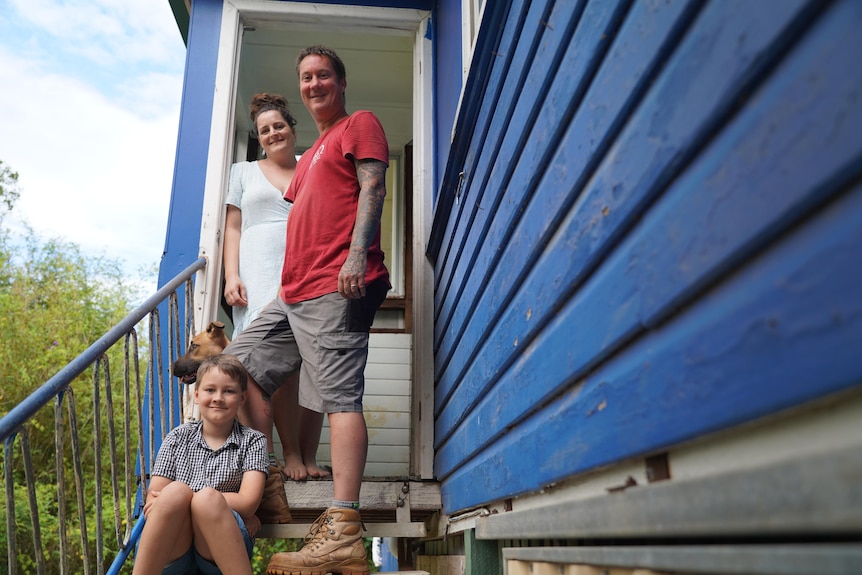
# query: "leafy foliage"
[[9, 192], [54, 303]]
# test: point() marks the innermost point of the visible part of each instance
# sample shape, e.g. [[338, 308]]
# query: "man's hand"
[[371, 175], [351, 278]]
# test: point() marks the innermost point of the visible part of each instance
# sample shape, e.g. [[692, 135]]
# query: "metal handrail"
[[58, 389], [22, 412]]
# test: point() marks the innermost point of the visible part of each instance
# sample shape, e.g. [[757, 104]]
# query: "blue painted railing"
[[156, 410]]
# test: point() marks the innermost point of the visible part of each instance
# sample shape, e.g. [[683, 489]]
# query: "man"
[[333, 281]]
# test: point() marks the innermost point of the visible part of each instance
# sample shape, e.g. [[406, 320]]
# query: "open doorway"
[[384, 51]]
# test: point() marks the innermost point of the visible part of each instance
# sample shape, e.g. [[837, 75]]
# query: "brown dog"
[[205, 344], [212, 341]]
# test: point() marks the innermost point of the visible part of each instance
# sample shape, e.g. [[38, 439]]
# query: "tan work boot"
[[333, 545], [273, 508]]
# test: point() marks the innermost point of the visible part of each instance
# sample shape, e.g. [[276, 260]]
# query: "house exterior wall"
[[647, 234], [447, 79]]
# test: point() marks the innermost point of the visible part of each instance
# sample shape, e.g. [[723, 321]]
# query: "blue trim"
[[182, 241], [182, 17], [447, 79]]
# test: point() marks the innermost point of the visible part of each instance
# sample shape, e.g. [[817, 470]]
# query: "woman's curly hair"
[[264, 102]]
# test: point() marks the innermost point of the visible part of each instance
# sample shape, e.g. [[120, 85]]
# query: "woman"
[[254, 244]]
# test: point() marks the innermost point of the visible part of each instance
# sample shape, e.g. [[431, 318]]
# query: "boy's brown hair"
[[228, 365]]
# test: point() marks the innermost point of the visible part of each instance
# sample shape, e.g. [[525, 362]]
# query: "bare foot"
[[316, 471], [293, 467]]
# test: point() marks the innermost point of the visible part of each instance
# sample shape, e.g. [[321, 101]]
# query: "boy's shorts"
[[327, 336], [192, 563]]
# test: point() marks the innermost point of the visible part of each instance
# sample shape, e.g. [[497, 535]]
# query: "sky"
[[89, 110]]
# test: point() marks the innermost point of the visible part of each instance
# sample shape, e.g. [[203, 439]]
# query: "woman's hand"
[[234, 292]]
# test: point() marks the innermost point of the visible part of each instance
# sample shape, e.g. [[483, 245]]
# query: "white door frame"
[[220, 158]]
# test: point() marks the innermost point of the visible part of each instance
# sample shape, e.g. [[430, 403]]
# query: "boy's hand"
[[151, 499]]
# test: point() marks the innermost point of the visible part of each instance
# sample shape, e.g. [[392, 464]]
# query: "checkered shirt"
[[185, 456]]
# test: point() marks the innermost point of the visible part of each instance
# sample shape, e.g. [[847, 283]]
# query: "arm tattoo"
[[371, 175]]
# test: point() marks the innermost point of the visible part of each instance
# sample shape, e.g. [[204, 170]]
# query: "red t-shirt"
[[325, 196]]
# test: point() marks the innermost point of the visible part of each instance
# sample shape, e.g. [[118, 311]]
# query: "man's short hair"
[[228, 365], [326, 52]]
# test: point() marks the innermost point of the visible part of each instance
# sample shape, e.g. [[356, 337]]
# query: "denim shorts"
[[192, 563]]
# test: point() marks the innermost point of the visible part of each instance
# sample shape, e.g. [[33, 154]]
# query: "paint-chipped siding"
[[648, 230]]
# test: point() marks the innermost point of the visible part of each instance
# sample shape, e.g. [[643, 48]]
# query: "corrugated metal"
[[656, 234]]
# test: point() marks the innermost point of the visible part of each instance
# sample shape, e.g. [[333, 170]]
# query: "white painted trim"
[[219, 160], [422, 451], [395, 260], [208, 280], [471, 23], [398, 21]]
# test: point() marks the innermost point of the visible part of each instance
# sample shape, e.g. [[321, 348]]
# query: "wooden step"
[[389, 507]]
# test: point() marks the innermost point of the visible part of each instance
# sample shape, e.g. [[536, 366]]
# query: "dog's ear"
[[214, 325]]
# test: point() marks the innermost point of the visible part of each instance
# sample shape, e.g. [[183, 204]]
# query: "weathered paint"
[[663, 244]]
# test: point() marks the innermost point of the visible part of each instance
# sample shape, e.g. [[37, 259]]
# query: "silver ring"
[[353, 285]]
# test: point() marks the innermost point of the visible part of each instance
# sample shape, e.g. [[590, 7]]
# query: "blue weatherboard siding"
[[657, 235], [786, 329], [532, 155], [618, 190]]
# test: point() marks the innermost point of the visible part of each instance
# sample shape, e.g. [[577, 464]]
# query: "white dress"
[[262, 243]]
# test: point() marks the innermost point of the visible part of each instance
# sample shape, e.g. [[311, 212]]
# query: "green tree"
[[9, 191], [54, 303]]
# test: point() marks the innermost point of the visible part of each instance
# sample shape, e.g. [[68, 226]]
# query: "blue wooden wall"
[[649, 229]]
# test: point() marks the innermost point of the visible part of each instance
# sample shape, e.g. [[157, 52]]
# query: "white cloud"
[[107, 31], [93, 140]]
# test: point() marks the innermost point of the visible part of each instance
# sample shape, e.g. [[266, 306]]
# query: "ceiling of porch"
[[379, 74]]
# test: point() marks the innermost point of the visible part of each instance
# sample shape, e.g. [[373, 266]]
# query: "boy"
[[207, 480]]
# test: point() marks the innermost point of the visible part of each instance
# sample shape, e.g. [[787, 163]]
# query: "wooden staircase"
[[390, 507]]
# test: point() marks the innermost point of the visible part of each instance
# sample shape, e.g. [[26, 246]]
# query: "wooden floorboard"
[[389, 507]]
